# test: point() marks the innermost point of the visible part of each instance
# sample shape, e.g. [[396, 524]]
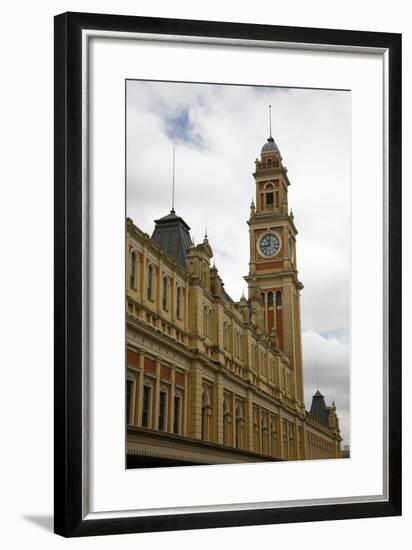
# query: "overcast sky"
[[218, 132]]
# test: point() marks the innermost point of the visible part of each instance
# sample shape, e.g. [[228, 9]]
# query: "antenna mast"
[[270, 120], [173, 183]]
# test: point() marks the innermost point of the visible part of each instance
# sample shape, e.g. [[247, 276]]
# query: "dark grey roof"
[[172, 234], [318, 408], [270, 146], [226, 295]]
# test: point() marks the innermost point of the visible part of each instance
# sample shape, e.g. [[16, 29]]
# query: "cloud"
[[218, 132]]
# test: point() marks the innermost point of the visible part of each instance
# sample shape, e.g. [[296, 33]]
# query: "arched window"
[[269, 195], [133, 270], [165, 296], [270, 299], [225, 334], [210, 320], [269, 163], [150, 282], [179, 302], [205, 322], [278, 299]]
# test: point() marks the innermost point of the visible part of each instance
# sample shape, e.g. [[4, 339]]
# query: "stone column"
[[185, 411], [171, 415], [218, 408], [156, 397], [139, 391], [195, 403], [281, 437], [249, 422], [233, 420]]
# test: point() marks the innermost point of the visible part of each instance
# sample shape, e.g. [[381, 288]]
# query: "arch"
[[133, 266], [270, 298], [278, 298], [269, 163], [150, 282], [265, 434], [206, 413], [205, 397]]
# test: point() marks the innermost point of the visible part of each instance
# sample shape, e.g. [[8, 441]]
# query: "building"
[[211, 380]]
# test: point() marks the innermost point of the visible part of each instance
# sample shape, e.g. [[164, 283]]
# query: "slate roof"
[[172, 233], [318, 408]]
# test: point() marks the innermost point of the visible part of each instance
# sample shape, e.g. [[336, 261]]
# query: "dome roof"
[[270, 146]]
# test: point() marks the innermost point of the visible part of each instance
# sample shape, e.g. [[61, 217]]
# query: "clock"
[[269, 244]]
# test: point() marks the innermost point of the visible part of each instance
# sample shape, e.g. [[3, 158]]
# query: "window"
[[176, 418], [179, 302], [270, 299], [165, 299], [129, 389], [133, 270], [278, 299], [162, 411], [146, 406], [269, 199], [269, 163], [150, 282]]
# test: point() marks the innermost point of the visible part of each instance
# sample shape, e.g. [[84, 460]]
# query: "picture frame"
[[74, 514]]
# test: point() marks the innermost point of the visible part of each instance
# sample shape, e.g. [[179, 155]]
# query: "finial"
[[173, 184], [205, 232]]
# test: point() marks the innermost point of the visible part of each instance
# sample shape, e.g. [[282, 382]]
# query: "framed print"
[[227, 274]]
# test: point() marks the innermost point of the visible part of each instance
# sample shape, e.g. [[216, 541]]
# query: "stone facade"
[[211, 380]]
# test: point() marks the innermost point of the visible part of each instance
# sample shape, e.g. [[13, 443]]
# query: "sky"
[[218, 132]]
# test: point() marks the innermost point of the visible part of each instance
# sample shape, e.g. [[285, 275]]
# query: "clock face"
[[269, 244]]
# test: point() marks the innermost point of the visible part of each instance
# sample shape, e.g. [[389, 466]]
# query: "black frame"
[[68, 431]]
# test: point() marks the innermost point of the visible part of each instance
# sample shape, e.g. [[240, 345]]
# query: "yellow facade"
[[211, 380]]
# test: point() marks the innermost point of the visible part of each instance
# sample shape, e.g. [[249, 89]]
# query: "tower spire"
[[173, 184]]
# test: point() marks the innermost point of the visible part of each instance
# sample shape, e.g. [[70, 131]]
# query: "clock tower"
[[273, 271]]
